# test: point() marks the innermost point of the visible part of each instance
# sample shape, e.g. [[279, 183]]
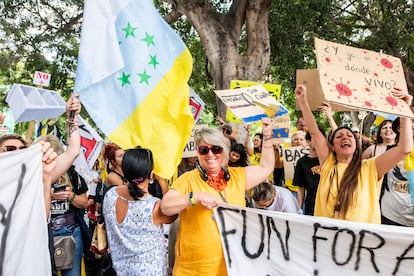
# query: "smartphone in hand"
[[59, 187]]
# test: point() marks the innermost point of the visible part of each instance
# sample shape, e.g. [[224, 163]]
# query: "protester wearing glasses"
[[194, 194], [274, 198]]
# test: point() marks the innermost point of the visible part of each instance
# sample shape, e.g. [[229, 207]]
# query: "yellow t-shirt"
[[366, 199], [255, 158], [198, 249]]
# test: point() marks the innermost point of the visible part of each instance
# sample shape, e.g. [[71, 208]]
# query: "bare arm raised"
[[65, 160], [321, 145], [257, 174], [387, 160]]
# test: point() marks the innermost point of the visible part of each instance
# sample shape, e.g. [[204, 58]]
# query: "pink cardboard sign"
[[360, 79]]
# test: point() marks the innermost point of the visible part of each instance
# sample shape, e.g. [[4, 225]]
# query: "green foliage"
[[44, 36]]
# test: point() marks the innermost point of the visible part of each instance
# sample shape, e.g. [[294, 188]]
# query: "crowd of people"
[[337, 178]]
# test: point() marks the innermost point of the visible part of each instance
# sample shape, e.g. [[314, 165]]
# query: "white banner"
[[23, 229], [260, 242]]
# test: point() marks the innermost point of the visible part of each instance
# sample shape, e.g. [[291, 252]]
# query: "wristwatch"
[[191, 199]]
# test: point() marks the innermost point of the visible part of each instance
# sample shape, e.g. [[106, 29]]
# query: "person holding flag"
[[134, 65]]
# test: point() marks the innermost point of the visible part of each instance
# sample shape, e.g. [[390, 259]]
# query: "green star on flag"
[[124, 79], [129, 30], [149, 39], [153, 61], [152, 77], [144, 77]]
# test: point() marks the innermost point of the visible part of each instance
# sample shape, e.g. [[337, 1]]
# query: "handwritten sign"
[[361, 79], [190, 149], [315, 96], [41, 79], [291, 155], [23, 229], [250, 104], [274, 89], [261, 242]]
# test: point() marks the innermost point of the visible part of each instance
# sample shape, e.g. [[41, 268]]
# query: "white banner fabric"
[[23, 228], [260, 242]]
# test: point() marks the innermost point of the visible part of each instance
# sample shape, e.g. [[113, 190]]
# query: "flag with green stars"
[[132, 77]]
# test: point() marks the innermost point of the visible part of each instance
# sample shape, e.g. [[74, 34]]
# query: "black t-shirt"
[[62, 207], [307, 175]]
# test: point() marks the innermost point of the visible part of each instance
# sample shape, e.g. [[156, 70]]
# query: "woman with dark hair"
[[134, 220], [257, 149], [113, 154], [238, 156], [386, 137], [350, 187]]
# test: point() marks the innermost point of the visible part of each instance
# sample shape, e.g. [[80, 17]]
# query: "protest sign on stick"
[[274, 89], [250, 104]]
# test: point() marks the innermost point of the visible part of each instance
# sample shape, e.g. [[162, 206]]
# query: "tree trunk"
[[221, 35]]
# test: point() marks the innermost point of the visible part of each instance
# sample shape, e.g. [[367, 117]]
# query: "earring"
[[151, 181]]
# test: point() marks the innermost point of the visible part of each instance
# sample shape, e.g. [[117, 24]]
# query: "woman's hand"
[[267, 128], [207, 200], [73, 104], [325, 107], [62, 195], [300, 93], [400, 94]]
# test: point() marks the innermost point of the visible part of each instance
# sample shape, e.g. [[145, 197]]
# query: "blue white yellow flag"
[[132, 77]]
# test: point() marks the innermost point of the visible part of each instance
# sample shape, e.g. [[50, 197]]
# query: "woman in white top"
[[133, 219], [275, 198], [385, 137]]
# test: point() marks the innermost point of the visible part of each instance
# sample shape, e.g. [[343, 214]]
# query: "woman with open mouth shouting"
[[350, 187]]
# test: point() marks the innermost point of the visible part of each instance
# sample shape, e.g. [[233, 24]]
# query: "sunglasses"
[[203, 150], [12, 148]]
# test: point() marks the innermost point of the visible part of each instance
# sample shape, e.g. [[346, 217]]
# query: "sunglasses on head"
[[12, 148], [203, 150]]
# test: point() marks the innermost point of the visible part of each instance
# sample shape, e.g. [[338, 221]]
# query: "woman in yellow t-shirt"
[[349, 187], [194, 194]]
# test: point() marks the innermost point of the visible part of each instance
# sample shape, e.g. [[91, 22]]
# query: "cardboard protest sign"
[[261, 242], [190, 149], [315, 96], [274, 89], [360, 79], [23, 224], [291, 155], [250, 104]]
